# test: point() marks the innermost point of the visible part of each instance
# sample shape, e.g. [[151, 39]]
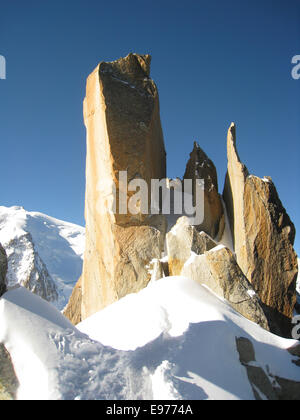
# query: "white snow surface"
[[173, 340], [58, 244]]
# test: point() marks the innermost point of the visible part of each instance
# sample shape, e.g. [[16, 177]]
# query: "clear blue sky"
[[214, 61]]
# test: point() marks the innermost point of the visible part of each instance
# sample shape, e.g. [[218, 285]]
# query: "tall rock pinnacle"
[[263, 238], [121, 114]]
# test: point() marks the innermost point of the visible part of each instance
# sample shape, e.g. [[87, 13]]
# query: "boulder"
[[263, 237], [121, 114], [219, 270], [182, 241], [138, 246], [3, 270], [201, 167]]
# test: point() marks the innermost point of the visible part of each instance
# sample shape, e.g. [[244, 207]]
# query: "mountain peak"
[[44, 254]]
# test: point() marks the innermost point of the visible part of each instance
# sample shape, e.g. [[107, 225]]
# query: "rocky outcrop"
[[263, 385], [3, 270], [201, 167], [8, 380], [218, 270], [182, 241], [124, 244], [263, 238], [295, 351], [121, 114]]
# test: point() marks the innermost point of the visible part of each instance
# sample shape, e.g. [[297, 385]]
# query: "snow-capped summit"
[[44, 254]]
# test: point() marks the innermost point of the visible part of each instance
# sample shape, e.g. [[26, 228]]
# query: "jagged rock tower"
[[121, 114], [201, 167], [263, 237]]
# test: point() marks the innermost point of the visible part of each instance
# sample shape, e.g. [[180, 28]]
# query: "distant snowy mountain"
[[44, 254]]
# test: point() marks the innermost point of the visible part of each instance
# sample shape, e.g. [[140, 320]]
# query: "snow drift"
[[173, 340]]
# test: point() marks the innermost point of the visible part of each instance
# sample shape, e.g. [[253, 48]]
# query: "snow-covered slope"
[[173, 340], [44, 254]]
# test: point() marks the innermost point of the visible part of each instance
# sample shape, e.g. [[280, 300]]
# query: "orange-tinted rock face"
[[73, 309], [124, 136], [272, 262], [121, 114], [263, 237]]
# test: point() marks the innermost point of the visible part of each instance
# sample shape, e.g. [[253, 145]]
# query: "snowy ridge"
[[173, 340], [44, 254]]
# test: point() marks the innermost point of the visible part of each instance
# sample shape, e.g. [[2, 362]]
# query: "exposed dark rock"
[[201, 167], [270, 387], [8, 380], [3, 270]]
